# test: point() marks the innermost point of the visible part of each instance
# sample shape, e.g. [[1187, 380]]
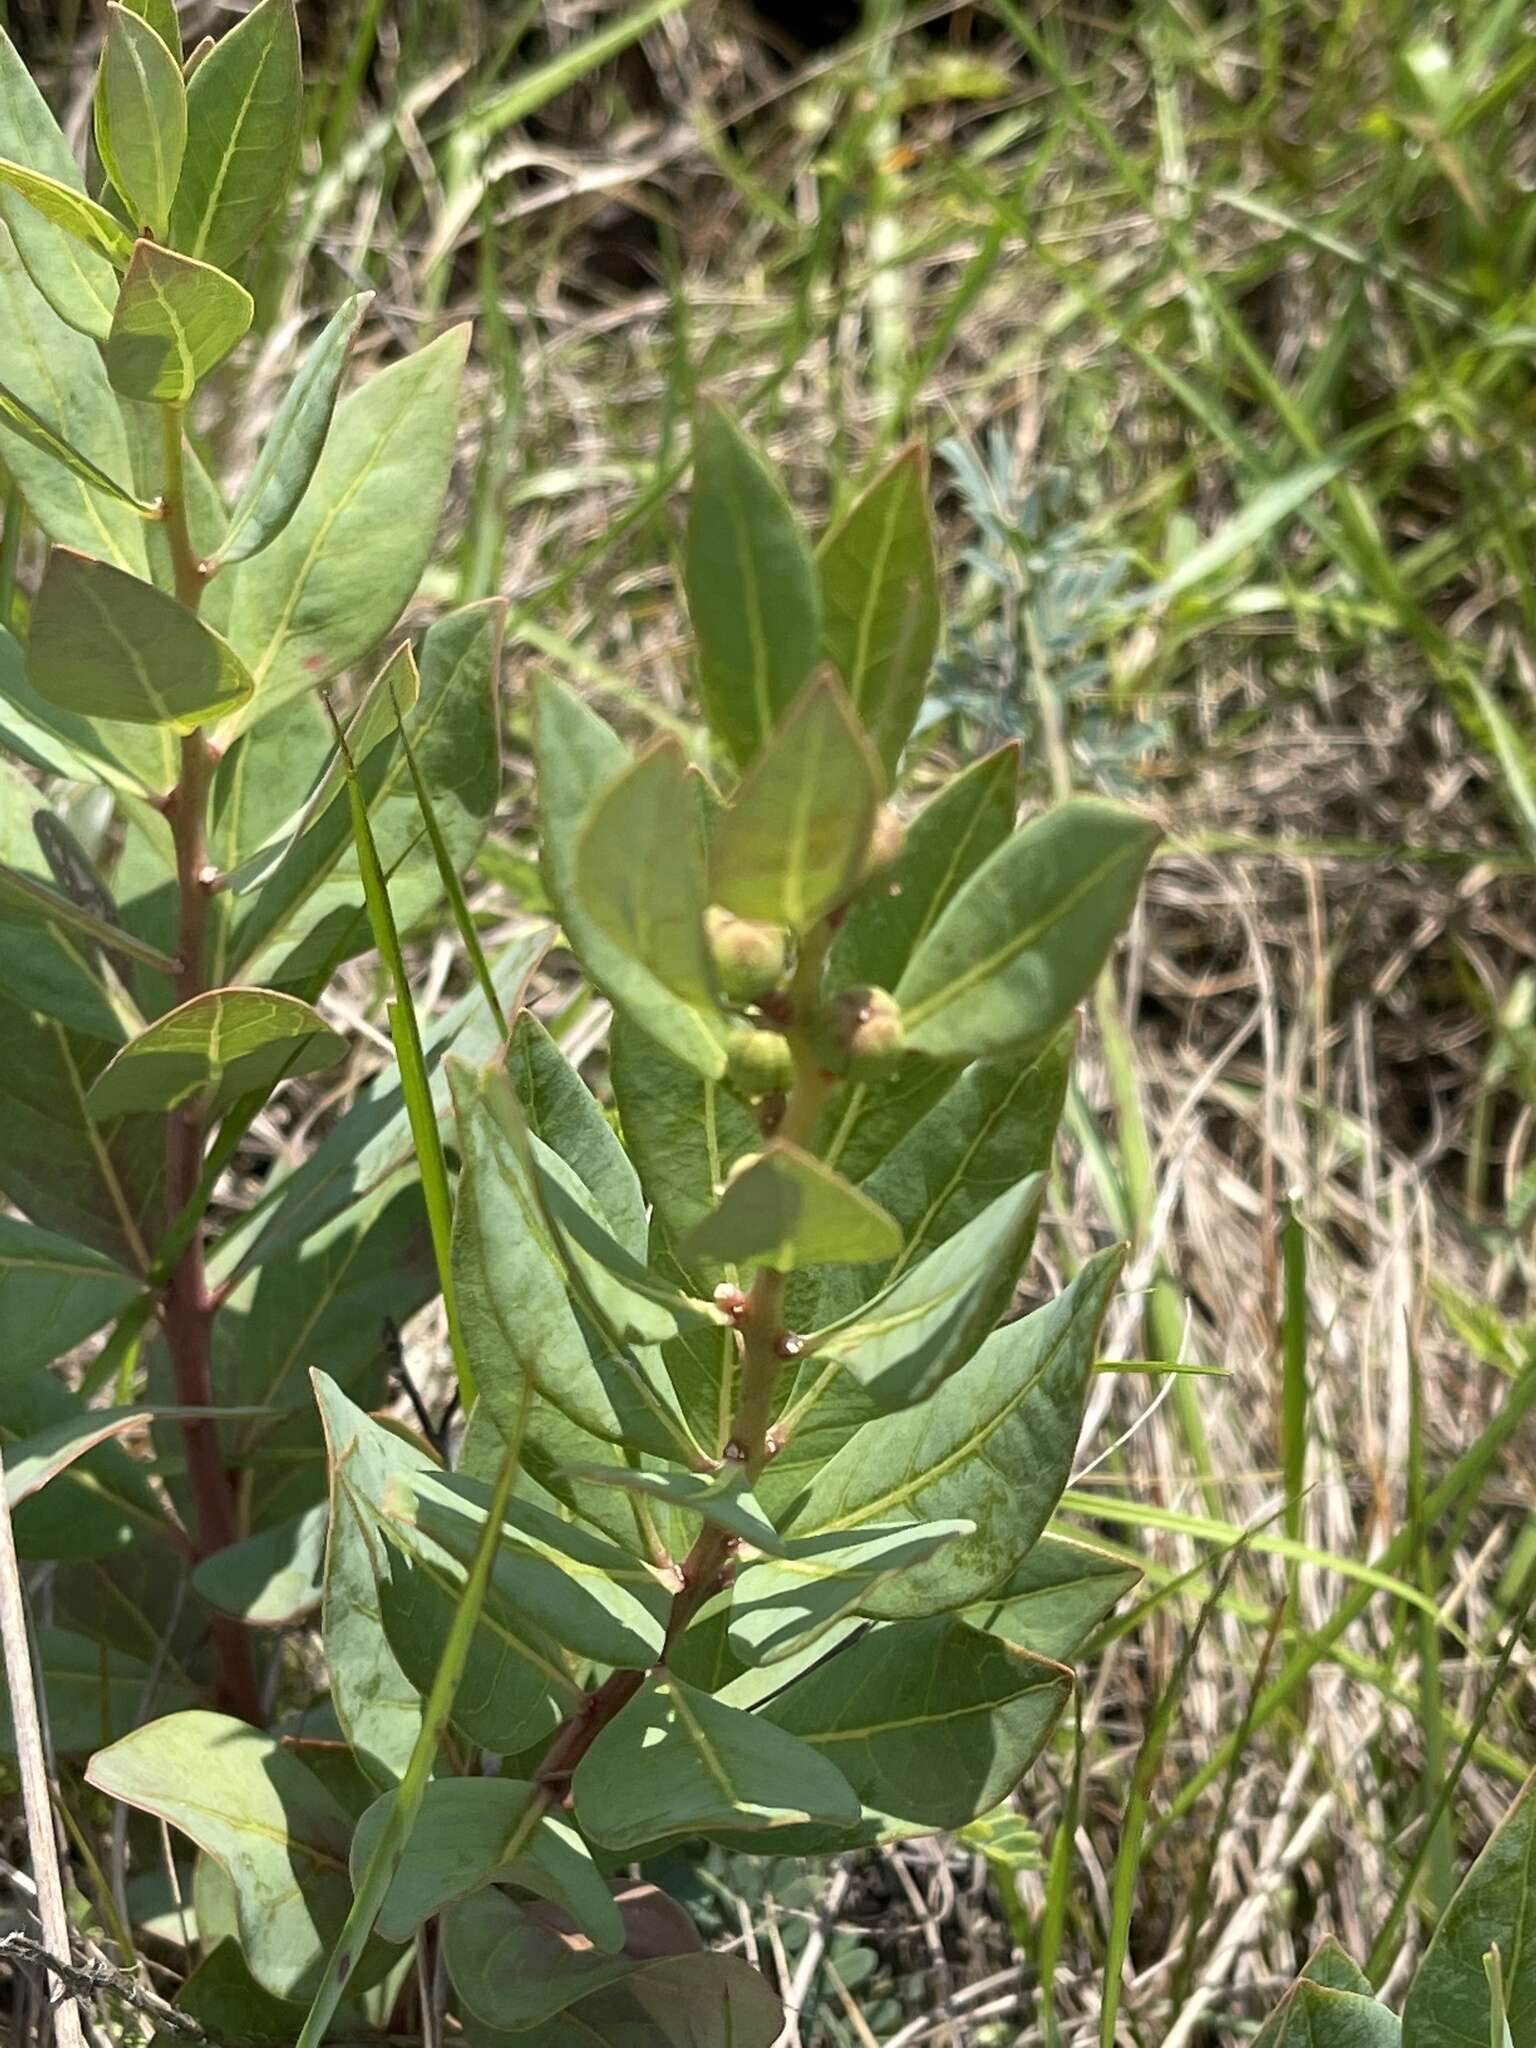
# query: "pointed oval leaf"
[[580, 1600], [563, 1112], [141, 117], [99, 1183], [579, 759], [1448, 2001], [752, 589], [472, 1832], [218, 1047], [74, 211], [794, 838], [782, 1603], [248, 1802], [377, 1705], [78, 285], [244, 120], [929, 1320], [516, 1967], [347, 563], [519, 1324], [58, 374], [1025, 938], [993, 1446], [19, 417], [53, 1294], [175, 320], [946, 843], [1318, 2016], [294, 441], [676, 1762], [880, 595], [162, 18], [639, 877], [786, 1209], [104, 643], [932, 1723], [1056, 1598]]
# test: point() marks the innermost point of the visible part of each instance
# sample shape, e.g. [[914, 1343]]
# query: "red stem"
[[185, 1310]]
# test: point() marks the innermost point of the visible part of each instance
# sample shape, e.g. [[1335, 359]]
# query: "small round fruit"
[[885, 842], [749, 957], [758, 1063], [862, 1034]]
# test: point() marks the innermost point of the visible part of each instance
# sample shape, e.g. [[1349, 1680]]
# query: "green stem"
[[761, 1331]]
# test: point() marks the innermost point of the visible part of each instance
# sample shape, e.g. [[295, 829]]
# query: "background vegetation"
[[1220, 319]]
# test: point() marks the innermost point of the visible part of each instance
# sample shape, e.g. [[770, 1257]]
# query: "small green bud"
[[885, 842], [861, 1034], [758, 1063], [749, 957]]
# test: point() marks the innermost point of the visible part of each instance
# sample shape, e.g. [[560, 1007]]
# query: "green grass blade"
[[415, 1082], [374, 1887]]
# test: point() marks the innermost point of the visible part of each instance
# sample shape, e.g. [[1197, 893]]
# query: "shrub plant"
[[746, 1537]]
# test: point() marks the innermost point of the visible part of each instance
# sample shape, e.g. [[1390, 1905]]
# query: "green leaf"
[[472, 1832], [1331, 1965], [244, 122], [141, 117], [880, 594], [53, 1294], [1025, 938], [162, 18], [377, 1705], [78, 286], [105, 644], [1449, 1999], [339, 574], [752, 589], [946, 842], [32, 428], [721, 1498], [294, 441], [929, 1321], [683, 1131], [562, 1111], [786, 1209], [779, 1604], [1314, 2016], [370, 1147], [790, 845], [579, 760], [66, 207], [58, 375], [218, 1047], [574, 1589], [1057, 1597], [639, 877], [100, 1183], [519, 1325], [262, 1815], [273, 1579], [993, 1446], [675, 1762], [515, 1966], [92, 1692], [175, 319], [517, 1685], [931, 1722], [98, 1504], [32, 1462]]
